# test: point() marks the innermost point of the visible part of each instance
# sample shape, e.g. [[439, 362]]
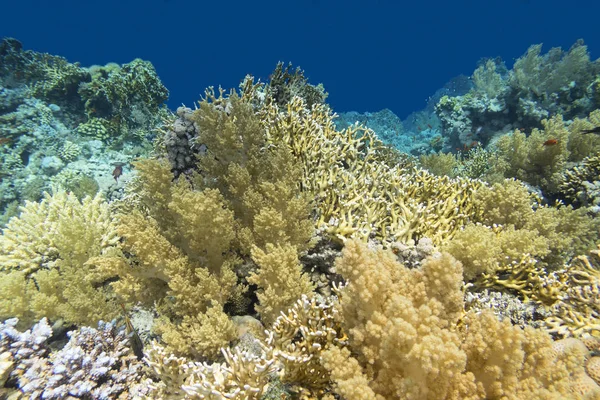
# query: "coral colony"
[[259, 246]]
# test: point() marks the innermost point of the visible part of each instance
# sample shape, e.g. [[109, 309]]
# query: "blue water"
[[369, 54]]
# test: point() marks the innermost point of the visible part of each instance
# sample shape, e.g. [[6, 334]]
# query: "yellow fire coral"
[[576, 310], [357, 194]]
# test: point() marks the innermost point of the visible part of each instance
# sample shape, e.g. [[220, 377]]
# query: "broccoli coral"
[[182, 258], [280, 280]]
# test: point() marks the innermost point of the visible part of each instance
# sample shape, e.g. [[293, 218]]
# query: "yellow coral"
[[576, 310], [356, 193], [529, 159], [178, 252], [280, 280], [408, 337], [260, 180], [43, 255]]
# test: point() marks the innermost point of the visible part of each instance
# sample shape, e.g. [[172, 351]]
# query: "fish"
[[134, 339], [550, 142], [118, 171], [595, 130]]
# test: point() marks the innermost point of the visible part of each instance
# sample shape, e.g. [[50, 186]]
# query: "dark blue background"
[[370, 54]]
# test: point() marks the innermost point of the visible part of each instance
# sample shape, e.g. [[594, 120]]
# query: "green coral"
[[284, 85], [557, 79], [80, 184], [580, 183], [95, 128], [61, 80], [113, 91], [480, 163], [33, 189], [69, 151], [440, 164], [126, 99], [489, 82]]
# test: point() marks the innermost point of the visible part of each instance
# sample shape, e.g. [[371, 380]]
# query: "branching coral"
[[95, 363], [356, 193], [290, 353], [576, 310], [43, 255]]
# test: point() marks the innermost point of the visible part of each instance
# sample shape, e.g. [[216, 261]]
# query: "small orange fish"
[[550, 142]]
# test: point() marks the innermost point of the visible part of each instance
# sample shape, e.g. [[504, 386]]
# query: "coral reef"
[[537, 88], [53, 119], [403, 344], [226, 240]]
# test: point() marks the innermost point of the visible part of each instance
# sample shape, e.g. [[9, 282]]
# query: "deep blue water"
[[369, 54]]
